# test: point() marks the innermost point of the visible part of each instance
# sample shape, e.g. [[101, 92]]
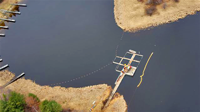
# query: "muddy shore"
[[130, 14], [74, 99]]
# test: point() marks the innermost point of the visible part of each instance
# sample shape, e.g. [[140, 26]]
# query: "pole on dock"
[[4, 67], [9, 20], [4, 27], [20, 5], [2, 35]]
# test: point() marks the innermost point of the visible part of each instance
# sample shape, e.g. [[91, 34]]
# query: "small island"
[[134, 15]]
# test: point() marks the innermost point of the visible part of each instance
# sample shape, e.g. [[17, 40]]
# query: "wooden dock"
[[125, 72]]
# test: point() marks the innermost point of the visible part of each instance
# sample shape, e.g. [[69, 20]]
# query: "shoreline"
[[6, 6], [74, 99]]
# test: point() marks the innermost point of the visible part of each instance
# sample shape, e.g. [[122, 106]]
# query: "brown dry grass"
[[130, 14], [117, 102], [76, 99]]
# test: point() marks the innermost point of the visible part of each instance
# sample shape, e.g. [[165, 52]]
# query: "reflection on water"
[[60, 40]]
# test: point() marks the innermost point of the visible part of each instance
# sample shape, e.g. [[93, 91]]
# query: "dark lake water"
[[58, 40]]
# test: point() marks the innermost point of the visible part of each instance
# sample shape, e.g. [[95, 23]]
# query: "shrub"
[[2, 105], [31, 104], [34, 96], [50, 106], [150, 10], [16, 103]]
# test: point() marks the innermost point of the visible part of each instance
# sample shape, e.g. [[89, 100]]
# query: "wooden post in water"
[[4, 27], [20, 5], [13, 12], [13, 80], [9, 20], [4, 67], [2, 35]]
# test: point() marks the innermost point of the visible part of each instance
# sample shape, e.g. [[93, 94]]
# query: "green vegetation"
[[50, 106], [34, 96], [2, 105], [15, 103]]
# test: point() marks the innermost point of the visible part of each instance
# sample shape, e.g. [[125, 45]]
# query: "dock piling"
[[4, 27], [20, 5], [9, 20], [13, 80], [4, 67], [13, 12], [2, 35]]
